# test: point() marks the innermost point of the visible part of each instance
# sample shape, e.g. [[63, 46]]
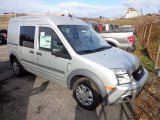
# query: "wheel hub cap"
[[15, 68], [84, 95]]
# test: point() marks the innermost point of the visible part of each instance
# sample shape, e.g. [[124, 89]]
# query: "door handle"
[[31, 51], [38, 53]]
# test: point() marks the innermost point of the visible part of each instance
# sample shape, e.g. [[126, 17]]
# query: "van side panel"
[[13, 33], [13, 39]]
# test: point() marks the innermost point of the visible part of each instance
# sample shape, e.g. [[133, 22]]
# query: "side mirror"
[[57, 52]]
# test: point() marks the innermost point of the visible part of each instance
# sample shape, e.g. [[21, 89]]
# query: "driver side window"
[[48, 39]]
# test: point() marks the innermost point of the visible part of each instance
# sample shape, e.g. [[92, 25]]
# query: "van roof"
[[58, 20]]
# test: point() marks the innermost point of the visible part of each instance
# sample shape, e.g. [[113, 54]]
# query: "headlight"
[[122, 76]]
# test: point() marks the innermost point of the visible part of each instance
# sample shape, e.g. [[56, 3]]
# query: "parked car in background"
[[117, 37], [93, 25], [101, 27], [121, 39], [98, 27], [115, 27], [77, 58], [127, 28], [112, 27], [3, 36], [109, 27]]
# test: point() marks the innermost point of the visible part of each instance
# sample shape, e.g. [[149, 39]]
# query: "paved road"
[[34, 98]]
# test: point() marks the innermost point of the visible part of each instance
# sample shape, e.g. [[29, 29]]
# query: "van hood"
[[115, 58]]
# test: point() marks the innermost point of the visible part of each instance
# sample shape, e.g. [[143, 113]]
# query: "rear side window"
[[27, 34]]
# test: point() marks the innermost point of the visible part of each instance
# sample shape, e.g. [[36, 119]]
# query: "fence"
[[150, 38]]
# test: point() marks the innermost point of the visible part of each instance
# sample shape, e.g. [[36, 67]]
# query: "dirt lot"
[[35, 98]]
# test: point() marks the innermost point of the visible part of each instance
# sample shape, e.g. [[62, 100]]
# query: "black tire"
[[17, 68], [5, 41], [91, 88], [1, 42]]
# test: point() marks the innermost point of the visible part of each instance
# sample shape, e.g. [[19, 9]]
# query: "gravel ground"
[[34, 98]]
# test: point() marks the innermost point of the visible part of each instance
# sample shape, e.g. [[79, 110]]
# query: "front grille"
[[138, 74]]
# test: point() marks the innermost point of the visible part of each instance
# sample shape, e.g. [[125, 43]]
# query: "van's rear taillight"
[[131, 39]]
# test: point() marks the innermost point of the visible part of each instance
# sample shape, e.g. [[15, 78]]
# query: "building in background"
[[132, 13]]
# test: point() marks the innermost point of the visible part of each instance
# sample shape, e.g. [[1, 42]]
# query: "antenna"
[[69, 15]]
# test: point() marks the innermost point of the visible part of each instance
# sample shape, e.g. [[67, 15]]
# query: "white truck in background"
[[122, 40], [116, 36]]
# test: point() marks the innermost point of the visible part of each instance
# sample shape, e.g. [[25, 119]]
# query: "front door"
[[50, 66]]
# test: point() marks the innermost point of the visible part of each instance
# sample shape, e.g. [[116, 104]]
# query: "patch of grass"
[[148, 63], [144, 56], [135, 21]]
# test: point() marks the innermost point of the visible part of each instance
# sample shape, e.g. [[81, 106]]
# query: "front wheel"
[[86, 94]]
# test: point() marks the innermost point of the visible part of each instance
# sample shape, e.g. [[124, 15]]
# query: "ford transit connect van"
[[67, 51]]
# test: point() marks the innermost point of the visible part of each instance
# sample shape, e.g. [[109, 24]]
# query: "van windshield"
[[83, 39]]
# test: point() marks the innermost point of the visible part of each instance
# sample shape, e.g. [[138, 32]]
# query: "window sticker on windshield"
[[45, 42], [67, 30], [42, 34], [84, 31]]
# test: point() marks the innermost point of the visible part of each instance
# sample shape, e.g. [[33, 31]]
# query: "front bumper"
[[127, 92], [132, 48]]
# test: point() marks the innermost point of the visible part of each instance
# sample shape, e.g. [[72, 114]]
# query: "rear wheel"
[[1, 42], [17, 68], [86, 94]]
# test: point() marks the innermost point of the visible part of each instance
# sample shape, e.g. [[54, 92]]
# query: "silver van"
[[67, 51]]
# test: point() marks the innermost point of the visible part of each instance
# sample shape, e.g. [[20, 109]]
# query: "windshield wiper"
[[95, 50], [86, 51], [102, 48]]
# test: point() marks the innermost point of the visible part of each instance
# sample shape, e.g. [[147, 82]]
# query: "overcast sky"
[[80, 8]]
